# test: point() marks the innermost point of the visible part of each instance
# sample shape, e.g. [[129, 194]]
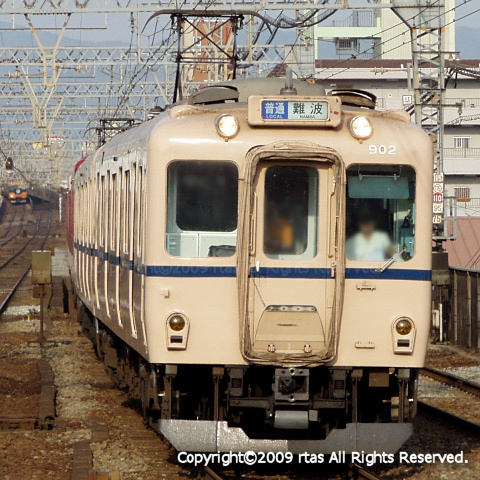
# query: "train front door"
[[293, 272]]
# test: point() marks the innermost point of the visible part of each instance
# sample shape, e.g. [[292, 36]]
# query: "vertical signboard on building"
[[437, 198]]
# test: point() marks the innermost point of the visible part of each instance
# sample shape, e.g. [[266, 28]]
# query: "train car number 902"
[[383, 149]]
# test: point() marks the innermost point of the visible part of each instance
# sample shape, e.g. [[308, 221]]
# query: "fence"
[[464, 316], [461, 152]]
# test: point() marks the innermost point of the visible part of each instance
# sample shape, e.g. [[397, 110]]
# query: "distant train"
[[16, 194], [254, 265]]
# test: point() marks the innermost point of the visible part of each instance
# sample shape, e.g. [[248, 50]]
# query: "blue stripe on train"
[[191, 271]]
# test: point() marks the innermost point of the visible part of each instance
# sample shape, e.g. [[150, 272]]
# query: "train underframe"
[[263, 408]]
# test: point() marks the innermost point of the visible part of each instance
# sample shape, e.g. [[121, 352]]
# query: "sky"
[[464, 8]]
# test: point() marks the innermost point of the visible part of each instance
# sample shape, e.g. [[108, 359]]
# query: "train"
[[16, 194], [254, 266]]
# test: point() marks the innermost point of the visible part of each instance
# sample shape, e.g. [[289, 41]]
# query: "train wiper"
[[390, 261]]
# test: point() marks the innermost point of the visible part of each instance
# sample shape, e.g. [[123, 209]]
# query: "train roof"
[[240, 89], [234, 94]]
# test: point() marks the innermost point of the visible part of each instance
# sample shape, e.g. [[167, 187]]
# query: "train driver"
[[369, 243]]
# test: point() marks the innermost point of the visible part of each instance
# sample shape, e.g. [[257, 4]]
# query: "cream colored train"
[[254, 265]]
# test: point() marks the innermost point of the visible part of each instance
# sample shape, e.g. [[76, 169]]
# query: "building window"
[[462, 194], [462, 142]]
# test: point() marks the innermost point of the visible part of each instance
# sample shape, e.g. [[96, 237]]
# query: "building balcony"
[[461, 152], [468, 202], [359, 18], [461, 161], [463, 102]]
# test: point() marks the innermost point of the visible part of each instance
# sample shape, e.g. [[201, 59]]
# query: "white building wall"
[[395, 36], [391, 35]]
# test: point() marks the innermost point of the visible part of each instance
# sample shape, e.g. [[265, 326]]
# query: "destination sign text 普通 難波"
[[294, 110]]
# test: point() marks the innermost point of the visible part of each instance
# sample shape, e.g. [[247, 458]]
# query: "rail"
[[15, 235], [358, 472], [454, 420], [46, 403], [453, 380], [354, 472], [209, 474], [12, 219], [24, 273]]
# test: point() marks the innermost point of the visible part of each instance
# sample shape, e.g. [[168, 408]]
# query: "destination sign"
[[295, 110]]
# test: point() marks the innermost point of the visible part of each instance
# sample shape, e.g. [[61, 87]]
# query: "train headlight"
[[403, 326], [227, 126], [360, 128], [176, 323]]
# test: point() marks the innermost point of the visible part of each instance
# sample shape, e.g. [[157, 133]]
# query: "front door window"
[[291, 211]]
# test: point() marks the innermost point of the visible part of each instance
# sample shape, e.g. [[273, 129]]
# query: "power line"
[[396, 36]]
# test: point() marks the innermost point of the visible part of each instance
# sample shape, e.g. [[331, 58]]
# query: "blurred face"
[[367, 226]]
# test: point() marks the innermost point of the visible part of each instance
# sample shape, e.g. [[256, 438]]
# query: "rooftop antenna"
[[288, 89]]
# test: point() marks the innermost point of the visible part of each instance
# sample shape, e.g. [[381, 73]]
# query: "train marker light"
[[360, 128], [177, 323], [177, 329], [403, 326], [403, 335], [227, 126]]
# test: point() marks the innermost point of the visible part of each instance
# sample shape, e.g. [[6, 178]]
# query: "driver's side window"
[[380, 212]]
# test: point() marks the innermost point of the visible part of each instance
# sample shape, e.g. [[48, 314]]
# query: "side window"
[[139, 216], [133, 211], [380, 212], [113, 203], [126, 212], [101, 212], [202, 209], [107, 210]]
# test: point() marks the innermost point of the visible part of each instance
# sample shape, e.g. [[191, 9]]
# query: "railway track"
[[355, 472], [455, 381], [209, 474], [451, 418], [13, 274], [359, 473], [21, 226], [23, 274], [13, 216]]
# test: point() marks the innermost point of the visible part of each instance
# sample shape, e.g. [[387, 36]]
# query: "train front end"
[[17, 195], [295, 289]]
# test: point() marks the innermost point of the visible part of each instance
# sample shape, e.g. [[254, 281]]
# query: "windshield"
[[380, 212]]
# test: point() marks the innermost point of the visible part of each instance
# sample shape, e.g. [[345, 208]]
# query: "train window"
[[202, 209], [113, 203], [108, 200], [139, 216], [291, 212], [101, 213], [126, 212], [380, 213]]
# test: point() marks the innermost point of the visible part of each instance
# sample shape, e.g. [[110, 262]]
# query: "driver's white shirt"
[[373, 249]]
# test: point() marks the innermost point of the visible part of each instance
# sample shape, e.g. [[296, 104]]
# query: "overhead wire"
[[393, 38]]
